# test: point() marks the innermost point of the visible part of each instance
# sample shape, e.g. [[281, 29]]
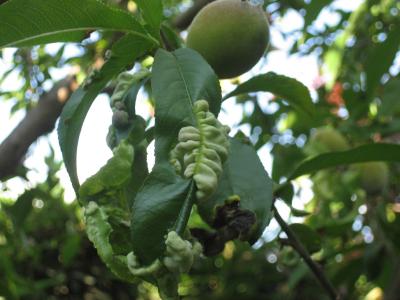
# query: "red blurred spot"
[[335, 97]]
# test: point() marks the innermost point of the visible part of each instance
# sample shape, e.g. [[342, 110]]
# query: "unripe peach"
[[231, 35]]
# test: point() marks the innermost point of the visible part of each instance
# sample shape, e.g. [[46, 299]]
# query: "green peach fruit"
[[374, 176], [328, 139], [232, 36]]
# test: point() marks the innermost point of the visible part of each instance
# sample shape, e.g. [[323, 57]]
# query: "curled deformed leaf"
[[112, 175], [99, 231], [202, 150]]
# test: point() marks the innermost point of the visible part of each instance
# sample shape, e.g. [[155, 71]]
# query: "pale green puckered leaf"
[[99, 231], [201, 150], [243, 176], [124, 52], [107, 213], [33, 22], [289, 89], [165, 201], [112, 175]]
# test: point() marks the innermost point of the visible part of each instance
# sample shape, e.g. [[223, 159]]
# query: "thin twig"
[[315, 268]]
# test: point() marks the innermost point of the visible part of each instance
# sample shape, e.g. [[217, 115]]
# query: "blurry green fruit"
[[231, 35], [374, 176], [327, 139]]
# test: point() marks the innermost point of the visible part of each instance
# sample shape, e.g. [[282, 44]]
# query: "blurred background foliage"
[[351, 232]]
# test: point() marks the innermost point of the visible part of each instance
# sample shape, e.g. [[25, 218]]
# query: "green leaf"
[[139, 170], [365, 153], [245, 176], [179, 79], [22, 208], [285, 160], [27, 22], [99, 232], [152, 12], [299, 212], [134, 130], [156, 210], [307, 236], [390, 99], [112, 175], [70, 249], [291, 90], [107, 213], [381, 58], [170, 37], [124, 52]]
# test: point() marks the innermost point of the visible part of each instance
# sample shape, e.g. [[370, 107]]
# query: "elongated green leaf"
[[244, 176], [381, 58], [180, 78], [152, 12], [155, 212], [291, 90], [21, 208], [165, 201], [124, 52], [365, 153], [390, 99], [32, 22]]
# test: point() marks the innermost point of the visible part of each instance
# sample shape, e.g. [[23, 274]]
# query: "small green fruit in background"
[[374, 176], [232, 35], [326, 139]]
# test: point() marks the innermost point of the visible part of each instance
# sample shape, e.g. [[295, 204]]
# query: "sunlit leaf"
[[291, 90], [152, 11], [365, 153], [26, 22]]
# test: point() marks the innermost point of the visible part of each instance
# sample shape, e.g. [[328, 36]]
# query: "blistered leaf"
[[113, 174], [99, 230]]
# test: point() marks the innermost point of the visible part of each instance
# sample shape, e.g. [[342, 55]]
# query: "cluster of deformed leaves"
[[130, 214]]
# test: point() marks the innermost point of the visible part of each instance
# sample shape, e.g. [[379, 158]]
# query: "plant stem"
[[186, 209], [301, 250], [165, 41]]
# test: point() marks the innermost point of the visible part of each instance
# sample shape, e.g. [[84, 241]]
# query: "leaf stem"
[[165, 42], [301, 250], [186, 209]]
